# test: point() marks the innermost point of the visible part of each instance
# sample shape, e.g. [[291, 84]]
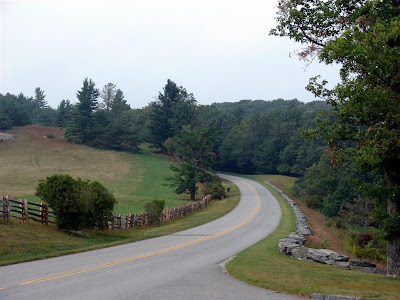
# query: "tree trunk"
[[393, 208], [393, 246], [193, 194]]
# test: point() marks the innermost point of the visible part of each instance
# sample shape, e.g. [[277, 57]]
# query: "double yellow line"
[[118, 262]]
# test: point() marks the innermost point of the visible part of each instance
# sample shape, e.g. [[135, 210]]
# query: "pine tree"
[[80, 127], [174, 109]]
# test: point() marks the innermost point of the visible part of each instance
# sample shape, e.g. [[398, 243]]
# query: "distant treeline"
[[251, 136]]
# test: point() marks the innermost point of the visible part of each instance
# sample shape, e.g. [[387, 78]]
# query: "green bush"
[[214, 188], [76, 203], [64, 195], [154, 210], [100, 205], [368, 246]]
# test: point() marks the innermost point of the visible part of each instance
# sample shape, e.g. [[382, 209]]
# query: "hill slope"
[[133, 178]]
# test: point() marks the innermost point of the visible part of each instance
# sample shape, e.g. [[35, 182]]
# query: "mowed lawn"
[[132, 178]]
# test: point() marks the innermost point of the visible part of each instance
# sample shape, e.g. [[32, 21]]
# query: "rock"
[[292, 240], [362, 263], [325, 256], [286, 248], [342, 264], [380, 271], [300, 252], [297, 236]]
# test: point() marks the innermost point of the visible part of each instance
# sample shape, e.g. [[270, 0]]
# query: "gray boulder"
[[325, 256], [300, 252], [286, 248]]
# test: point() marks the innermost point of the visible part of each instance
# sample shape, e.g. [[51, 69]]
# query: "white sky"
[[219, 50]]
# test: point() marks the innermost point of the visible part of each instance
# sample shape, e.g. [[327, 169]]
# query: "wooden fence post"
[[46, 213], [21, 211], [8, 207], [26, 211]]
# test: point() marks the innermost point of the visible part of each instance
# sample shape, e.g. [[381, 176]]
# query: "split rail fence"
[[42, 213], [25, 211], [169, 214]]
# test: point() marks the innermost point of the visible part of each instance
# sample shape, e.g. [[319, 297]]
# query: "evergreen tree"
[[39, 99], [119, 104], [63, 113], [174, 109], [80, 128], [194, 149], [108, 94]]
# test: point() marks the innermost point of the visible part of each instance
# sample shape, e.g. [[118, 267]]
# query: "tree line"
[[248, 137]]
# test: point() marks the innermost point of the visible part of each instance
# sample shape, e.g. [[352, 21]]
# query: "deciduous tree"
[[363, 37]]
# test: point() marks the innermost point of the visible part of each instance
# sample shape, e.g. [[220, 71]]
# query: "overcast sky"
[[219, 50]]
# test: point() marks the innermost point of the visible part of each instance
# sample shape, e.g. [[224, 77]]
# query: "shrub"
[[368, 246], [214, 188], [100, 205], [154, 210], [49, 136], [77, 203], [64, 195]]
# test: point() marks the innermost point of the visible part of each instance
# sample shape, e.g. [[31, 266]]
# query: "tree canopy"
[[174, 109], [363, 37]]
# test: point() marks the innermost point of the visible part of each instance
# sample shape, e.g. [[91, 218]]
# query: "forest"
[[247, 137]]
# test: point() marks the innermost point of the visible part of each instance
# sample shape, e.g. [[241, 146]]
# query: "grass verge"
[[263, 266], [21, 242]]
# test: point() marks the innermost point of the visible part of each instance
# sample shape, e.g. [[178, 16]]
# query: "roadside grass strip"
[[263, 266], [151, 253]]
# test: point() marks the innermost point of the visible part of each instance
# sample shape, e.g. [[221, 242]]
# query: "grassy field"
[[20, 242], [132, 178], [263, 266]]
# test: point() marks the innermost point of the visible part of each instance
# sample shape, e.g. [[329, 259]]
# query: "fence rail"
[[169, 214], [42, 213], [25, 211]]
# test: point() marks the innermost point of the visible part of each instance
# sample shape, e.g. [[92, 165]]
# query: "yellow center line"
[[118, 262]]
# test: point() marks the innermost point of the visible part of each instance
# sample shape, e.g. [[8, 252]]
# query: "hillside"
[[133, 178]]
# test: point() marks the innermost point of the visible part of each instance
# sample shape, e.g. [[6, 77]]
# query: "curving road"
[[183, 265]]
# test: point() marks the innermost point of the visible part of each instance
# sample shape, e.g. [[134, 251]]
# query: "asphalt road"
[[185, 265]]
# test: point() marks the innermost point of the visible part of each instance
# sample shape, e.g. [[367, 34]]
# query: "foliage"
[[79, 130], [368, 246], [364, 38], [100, 205], [76, 203], [174, 109], [154, 209], [269, 142], [194, 150], [64, 196], [106, 126], [214, 188], [63, 115], [108, 94]]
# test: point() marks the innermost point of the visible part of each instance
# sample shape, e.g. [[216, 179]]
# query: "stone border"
[[337, 297], [293, 245]]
